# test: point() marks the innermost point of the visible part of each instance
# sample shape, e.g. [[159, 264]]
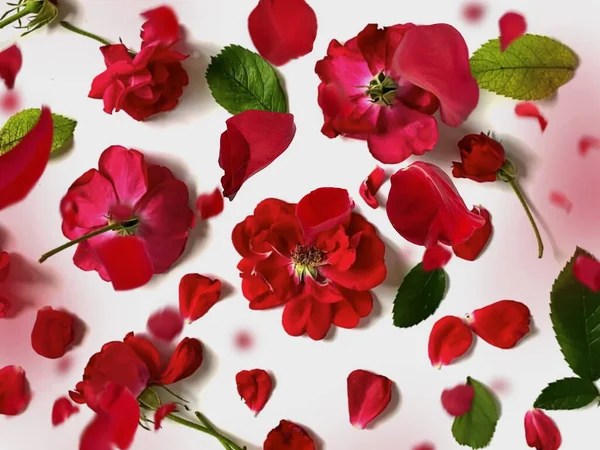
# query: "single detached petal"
[[512, 26], [370, 186], [586, 143], [458, 400], [587, 272], [253, 140], [4, 266], [528, 109], [323, 209], [14, 391], [368, 395], [197, 294], [254, 386], [288, 436], [501, 324], [11, 61], [4, 307], [243, 340], [559, 199], [541, 432], [165, 324], [186, 359], [53, 332], [62, 410], [126, 261], [210, 205], [163, 412], [450, 338], [436, 257], [472, 247], [424, 446], [473, 11], [22, 167], [161, 26]]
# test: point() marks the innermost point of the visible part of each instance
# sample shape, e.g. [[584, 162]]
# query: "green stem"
[[85, 237], [523, 201], [74, 29], [31, 8], [172, 393], [226, 442], [229, 445]]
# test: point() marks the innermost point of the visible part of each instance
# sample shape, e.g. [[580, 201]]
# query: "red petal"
[[458, 400], [541, 432], [197, 294], [473, 11], [4, 307], [4, 265], [146, 351], [163, 412], [126, 261], [587, 272], [11, 61], [165, 324], [243, 340], [450, 338], [14, 391], [62, 410], [323, 209], [288, 436], [282, 30], [512, 26], [559, 199], [369, 187], [501, 324], [587, 142], [368, 395], [254, 386], [21, 168], [528, 109], [424, 446], [53, 332], [472, 248], [436, 257], [162, 25], [186, 359], [210, 205]]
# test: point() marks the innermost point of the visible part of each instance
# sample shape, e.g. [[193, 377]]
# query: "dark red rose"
[[53, 332], [481, 158]]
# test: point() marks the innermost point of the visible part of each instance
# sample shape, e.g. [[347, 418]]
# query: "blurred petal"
[[11, 61], [210, 205], [512, 26], [371, 185], [528, 109], [165, 324]]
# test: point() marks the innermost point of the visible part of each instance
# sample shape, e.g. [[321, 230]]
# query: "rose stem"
[[31, 8], [521, 198], [74, 29], [85, 237], [229, 445], [226, 442]]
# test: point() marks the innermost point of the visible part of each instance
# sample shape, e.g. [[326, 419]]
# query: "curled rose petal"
[[323, 209], [450, 338], [62, 410], [22, 167], [368, 395], [186, 359], [14, 391], [126, 261], [161, 413], [254, 386], [4, 307], [161, 26], [587, 142], [4, 266], [512, 26], [288, 435], [282, 30], [53, 332], [165, 324], [370, 186], [197, 294], [559, 199], [210, 205], [473, 11], [436, 257], [253, 140], [587, 272], [528, 109], [541, 432], [501, 324], [458, 400], [472, 247], [11, 61]]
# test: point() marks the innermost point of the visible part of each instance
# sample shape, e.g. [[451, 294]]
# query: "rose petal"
[[14, 391], [587, 272], [210, 205], [370, 186], [288, 435], [254, 386], [53, 332], [528, 109], [11, 61], [4, 307], [161, 26], [559, 199], [472, 247], [4, 266], [587, 142], [473, 11], [186, 359], [197, 294], [163, 412], [541, 432], [242, 340], [458, 400], [62, 410], [368, 395], [165, 324], [512, 26], [126, 261], [323, 209], [450, 338], [501, 324], [436, 257]]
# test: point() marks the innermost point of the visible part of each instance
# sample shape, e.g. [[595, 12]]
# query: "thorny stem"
[[31, 8], [513, 183], [74, 29]]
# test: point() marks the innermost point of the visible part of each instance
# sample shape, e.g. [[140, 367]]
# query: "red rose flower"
[[481, 156], [288, 436], [384, 85], [319, 259], [53, 332]]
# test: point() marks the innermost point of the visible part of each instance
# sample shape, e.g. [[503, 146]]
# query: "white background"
[[310, 376]]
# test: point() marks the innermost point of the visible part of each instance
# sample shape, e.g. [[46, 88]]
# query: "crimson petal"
[[14, 391], [62, 410], [512, 26], [472, 247], [559, 199], [4, 265], [371, 185], [11, 61], [368, 395], [163, 412], [210, 205], [53, 332], [126, 261], [165, 324], [587, 272], [186, 359], [528, 109], [323, 209], [541, 432], [254, 386], [458, 400], [197, 294], [436, 257], [450, 338], [161, 26]]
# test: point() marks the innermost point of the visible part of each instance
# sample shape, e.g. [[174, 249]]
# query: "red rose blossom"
[[322, 274], [481, 158], [53, 332], [288, 436]]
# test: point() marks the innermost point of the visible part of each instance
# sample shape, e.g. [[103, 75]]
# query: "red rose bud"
[[501, 324], [288, 436], [450, 338], [197, 294], [62, 410], [38, 12], [370, 186], [481, 157], [587, 272], [161, 413], [458, 400], [14, 391], [53, 332], [541, 432], [254, 386], [368, 395], [472, 247]]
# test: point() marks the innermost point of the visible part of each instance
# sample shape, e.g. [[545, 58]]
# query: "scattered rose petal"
[[163, 412], [126, 261], [512, 26], [501, 324], [10, 102], [210, 205], [4, 307], [458, 400], [436, 257], [541, 432], [62, 410], [53, 332], [450, 338], [282, 30], [165, 324], [63, 365], [323, 209], [499, 385], [587, 272], [369, 188], [161, 26], [243, 340], [254, 386], [368, 395], [587, 142], [472, 247], [197, 294], [11, 61], [528, 109], [4, 265], [473, 11], [14, 391], [559, 199], [288, 436], [186, 359]]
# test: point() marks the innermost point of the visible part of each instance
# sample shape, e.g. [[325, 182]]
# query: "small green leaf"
[[23, 122], [241, 80], [575, 314], [476, 428], [532, 68], [149, 398], [568, 393], [418, 296]]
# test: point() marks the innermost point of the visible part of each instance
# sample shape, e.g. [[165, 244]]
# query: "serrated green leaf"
[[23, 122], [418, 296], [575, 314], [241, 80], [568, 393], [149, 398], [476, 428], [532, 68]]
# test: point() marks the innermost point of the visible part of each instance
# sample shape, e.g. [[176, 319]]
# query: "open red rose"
[[319, 259], [53, 332], [481, 158], [384, 85], [288, 436]]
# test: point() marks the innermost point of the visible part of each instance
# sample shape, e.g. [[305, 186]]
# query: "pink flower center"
[[382, 90], [306, 259]]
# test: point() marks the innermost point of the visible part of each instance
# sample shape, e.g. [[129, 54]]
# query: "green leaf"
[[418, 296], [568, 393], [575, 314], [22, 123], [149, 398], [532, 68], [476, 428], [241, 80]]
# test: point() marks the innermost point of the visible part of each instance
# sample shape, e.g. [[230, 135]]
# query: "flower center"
[[382, 90], [306, 259], [127, 227]]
